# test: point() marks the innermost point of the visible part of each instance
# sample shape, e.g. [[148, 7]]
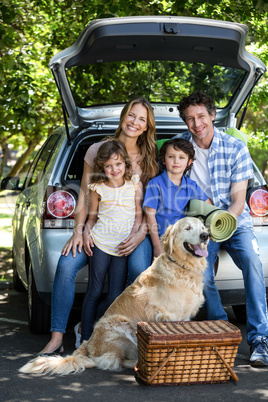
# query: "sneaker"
[[77, 336], [259, 352]]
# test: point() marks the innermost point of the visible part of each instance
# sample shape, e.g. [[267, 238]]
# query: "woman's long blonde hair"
[[146, 141]]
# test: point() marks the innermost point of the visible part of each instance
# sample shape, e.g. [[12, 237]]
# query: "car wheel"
[[17, 283], [39, 312], [240, 313]]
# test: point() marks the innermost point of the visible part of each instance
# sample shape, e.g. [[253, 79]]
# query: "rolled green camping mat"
[[221, 224]]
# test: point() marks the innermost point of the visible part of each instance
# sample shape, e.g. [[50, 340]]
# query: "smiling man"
[[222, 169]]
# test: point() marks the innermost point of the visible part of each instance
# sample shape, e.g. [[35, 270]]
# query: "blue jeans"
[[243, 249], [64, 289], [93, 307], [140, 259]]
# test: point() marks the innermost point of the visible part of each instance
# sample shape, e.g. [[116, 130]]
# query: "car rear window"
[[158, 80], [75, 170], [75, 164]]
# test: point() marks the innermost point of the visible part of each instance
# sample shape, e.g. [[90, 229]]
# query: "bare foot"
[[54, 343]]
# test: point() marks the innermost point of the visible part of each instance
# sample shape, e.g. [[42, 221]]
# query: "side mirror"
[[10, 183]]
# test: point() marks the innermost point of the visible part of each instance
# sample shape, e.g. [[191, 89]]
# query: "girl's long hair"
[[106, 150], [146, 141]]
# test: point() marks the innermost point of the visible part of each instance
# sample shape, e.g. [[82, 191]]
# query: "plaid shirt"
[[229, 162]]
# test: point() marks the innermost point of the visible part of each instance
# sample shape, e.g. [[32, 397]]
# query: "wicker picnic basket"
[[186, 352]]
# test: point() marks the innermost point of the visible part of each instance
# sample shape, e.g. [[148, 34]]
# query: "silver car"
[[162, 59]]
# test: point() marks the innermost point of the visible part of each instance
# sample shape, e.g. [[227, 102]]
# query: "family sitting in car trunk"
[[121, 179]]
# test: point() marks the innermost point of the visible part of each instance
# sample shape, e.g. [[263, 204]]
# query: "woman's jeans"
[[64, 289], [93, 307], [140, 259], [64, 283], [243, 249]]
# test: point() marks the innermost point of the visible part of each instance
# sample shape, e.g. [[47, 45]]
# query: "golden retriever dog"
[[171, 289]]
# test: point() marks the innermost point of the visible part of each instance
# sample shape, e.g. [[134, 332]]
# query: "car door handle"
[[27, 204], [18, 206]]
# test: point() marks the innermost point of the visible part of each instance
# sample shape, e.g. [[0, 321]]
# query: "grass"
[[7, 206], [5, 216], [5, 229], [6, 271]]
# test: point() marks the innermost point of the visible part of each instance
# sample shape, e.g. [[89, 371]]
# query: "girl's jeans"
[[243, 249], [64, 283], [99, 264]]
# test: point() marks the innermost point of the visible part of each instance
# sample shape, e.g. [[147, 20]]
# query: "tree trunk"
[[14, 171], [3, 146]]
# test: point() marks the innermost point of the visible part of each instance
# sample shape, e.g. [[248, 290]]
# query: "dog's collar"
[[182, 266]]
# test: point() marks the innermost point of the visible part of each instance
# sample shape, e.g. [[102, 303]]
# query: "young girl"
[[115, 212], [167, 195]]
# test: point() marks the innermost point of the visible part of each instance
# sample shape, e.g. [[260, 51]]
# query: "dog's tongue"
[[198, 250]]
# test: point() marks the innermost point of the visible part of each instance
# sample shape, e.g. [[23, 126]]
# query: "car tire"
[[38, 311], [240, 313]]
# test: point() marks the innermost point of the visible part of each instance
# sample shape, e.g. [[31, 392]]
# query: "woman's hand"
[[81, 210], [127, 246], [76, 241], [88, 243]]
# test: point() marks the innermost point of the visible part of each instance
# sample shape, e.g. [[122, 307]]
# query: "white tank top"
[[116, 214]]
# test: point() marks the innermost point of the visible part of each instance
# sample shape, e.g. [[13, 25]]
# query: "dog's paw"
[[129, 364], [160, 316]]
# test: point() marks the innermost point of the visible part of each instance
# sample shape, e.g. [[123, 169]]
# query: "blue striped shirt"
[[229, 162]]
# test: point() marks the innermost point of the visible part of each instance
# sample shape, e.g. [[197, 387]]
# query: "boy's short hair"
[[178, 144], [197, 98]]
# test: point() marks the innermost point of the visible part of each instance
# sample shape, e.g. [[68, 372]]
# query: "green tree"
[[32, 31]]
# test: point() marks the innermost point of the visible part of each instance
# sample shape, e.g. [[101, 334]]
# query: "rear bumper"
[[45, 253], [228, 279]]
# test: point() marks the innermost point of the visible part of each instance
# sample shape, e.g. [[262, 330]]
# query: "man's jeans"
[[243, 249], [64, 283]]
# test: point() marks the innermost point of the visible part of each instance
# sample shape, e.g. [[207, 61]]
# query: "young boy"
[[167, 195]]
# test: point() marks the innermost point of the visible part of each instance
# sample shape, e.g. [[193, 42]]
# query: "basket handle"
[[150, 379], [229, 368]]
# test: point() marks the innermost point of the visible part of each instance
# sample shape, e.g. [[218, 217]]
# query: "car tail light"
[[258, 204], [58, 209]]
